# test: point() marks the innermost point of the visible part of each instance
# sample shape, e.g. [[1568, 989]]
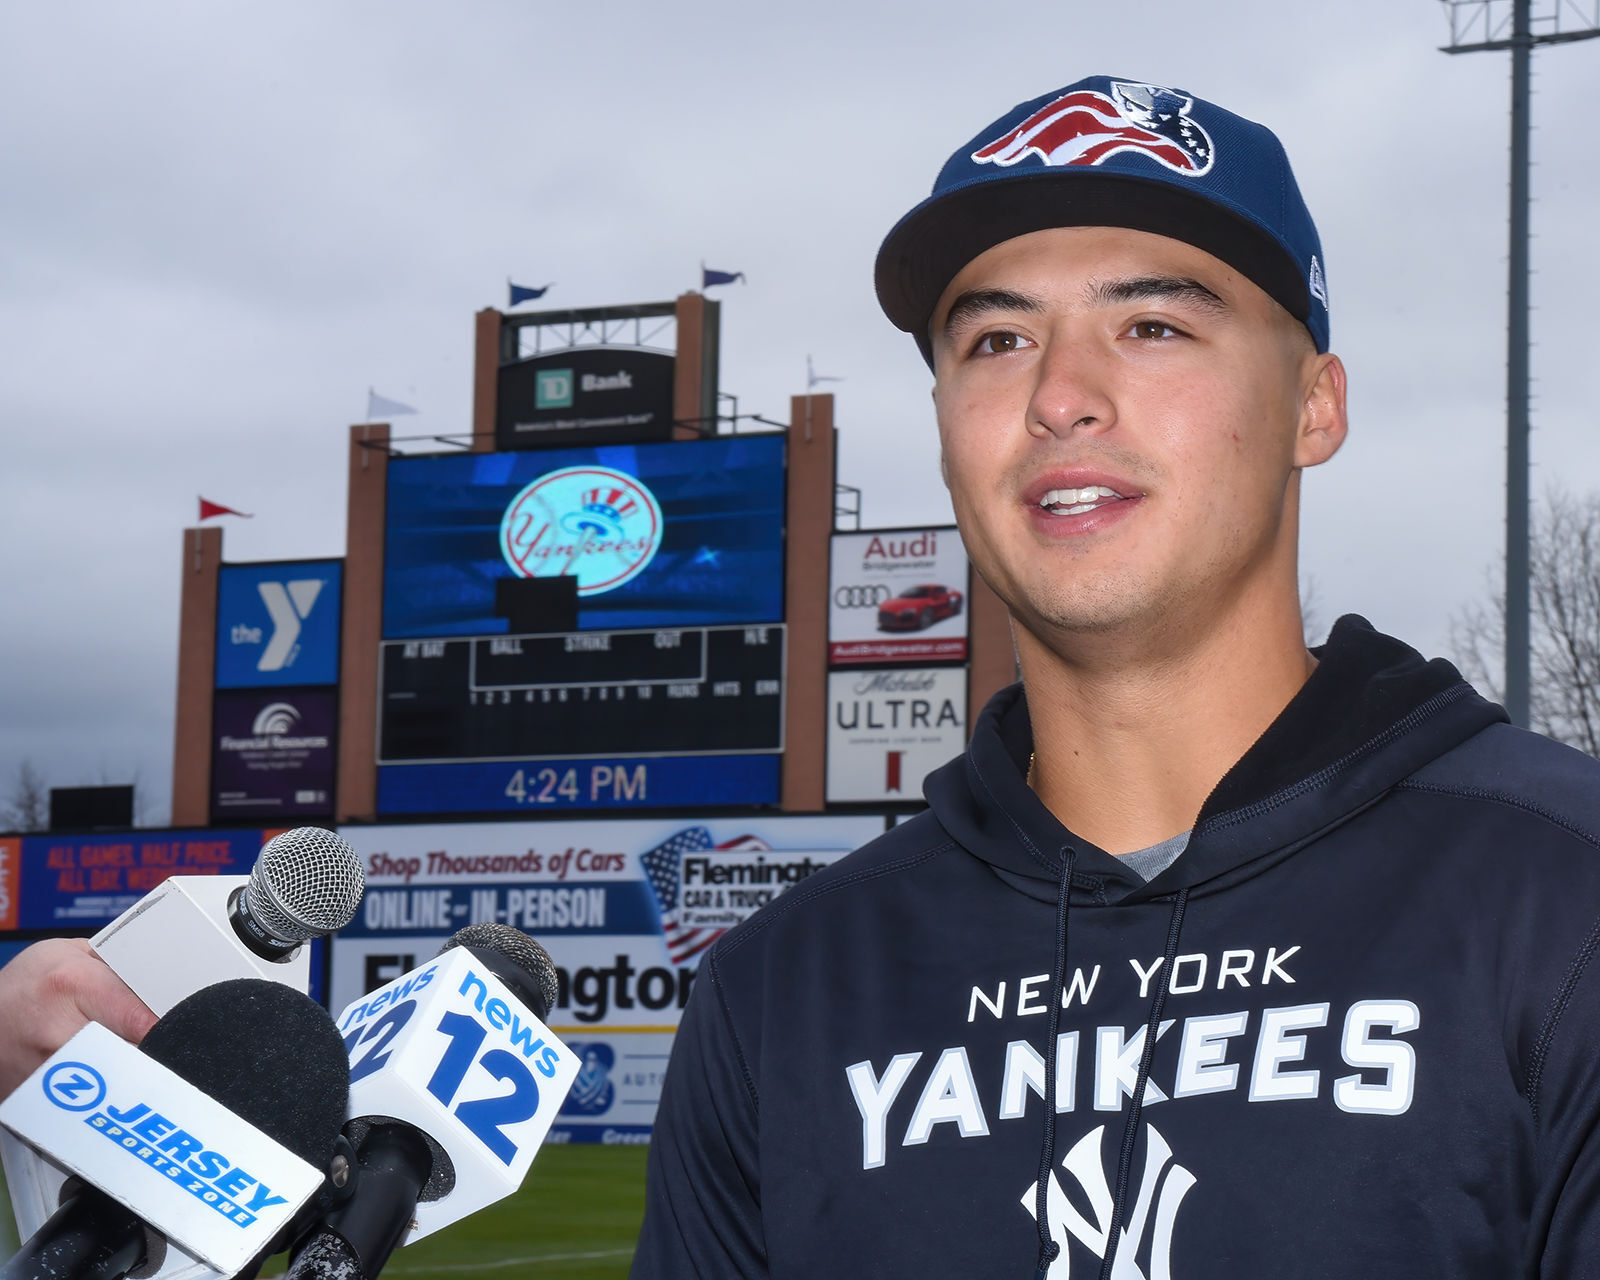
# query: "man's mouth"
[[1075, 502]]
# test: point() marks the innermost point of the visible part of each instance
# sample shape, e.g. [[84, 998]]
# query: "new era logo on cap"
[[1117, 152]]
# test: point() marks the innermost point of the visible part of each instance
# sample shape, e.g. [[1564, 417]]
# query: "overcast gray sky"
[[220, 223]]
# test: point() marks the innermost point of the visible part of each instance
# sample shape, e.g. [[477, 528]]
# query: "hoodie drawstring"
[[1130, 1127], [1048, 1248]]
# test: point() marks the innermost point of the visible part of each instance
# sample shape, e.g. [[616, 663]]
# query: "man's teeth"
[[1074, 502]]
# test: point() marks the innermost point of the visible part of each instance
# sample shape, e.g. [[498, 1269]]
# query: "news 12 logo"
[[497, 1035], [597, 524]]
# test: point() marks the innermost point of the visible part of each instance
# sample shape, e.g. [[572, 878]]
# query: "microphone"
[[190, 1157], [191, 931], [436, 1132]]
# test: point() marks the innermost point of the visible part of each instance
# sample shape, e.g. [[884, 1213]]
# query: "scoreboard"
[[656, 682], [659, 691]]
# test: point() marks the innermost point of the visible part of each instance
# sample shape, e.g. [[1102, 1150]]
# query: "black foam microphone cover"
[[268, 1053]]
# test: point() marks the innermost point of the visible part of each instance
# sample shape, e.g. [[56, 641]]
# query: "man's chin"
[[1089, 616]]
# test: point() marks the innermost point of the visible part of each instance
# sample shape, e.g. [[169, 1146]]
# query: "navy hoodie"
[[1377, 1046]]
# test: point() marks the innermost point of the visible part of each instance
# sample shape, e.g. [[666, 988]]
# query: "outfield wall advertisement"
[[84, 881], [626, 909]]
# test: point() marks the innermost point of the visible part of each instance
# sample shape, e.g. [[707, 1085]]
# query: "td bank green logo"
[[553, 389]]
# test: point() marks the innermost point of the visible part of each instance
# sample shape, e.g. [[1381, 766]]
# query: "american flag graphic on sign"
[[664, 864]]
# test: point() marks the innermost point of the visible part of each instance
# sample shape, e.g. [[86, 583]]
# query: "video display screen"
[[641, 535]]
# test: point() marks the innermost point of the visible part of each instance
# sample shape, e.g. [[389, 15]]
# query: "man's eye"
[[1151, 329], [995, 344]]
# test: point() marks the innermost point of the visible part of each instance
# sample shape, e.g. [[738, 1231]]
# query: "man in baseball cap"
[[1323, 906]]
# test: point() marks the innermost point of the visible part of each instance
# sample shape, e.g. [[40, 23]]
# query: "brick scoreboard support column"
[[694, 383], [197, 659], [994, 655], [812, 451], [362, 624], [485, 378]]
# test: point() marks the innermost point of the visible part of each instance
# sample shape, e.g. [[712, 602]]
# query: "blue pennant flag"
[[521, 293], [708, 277]]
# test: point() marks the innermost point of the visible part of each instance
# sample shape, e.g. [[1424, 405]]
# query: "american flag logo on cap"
[[1087, 127]]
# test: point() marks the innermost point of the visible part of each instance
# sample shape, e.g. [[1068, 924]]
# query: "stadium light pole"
[[1477, 26]]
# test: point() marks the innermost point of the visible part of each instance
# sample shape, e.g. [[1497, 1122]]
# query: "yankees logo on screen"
[[600, 525], [1088, 127]]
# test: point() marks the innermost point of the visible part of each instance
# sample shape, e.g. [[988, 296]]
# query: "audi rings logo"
[[861, 597]]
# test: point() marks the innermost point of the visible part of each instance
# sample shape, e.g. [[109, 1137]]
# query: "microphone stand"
[[356, 1239], [90, 1237]]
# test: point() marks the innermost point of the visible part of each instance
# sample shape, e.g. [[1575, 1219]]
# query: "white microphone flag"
[[213, 1184], [177, 939]]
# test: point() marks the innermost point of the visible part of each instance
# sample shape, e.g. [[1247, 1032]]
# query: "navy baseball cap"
[[1112, 152]]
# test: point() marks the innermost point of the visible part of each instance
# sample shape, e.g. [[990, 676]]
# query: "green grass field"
[[575, 1218]]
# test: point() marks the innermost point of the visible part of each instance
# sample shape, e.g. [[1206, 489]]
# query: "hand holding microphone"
[[48, 992], [188, 1159]]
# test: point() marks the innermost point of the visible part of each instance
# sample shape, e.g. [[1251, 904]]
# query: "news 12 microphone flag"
[[626, 909]]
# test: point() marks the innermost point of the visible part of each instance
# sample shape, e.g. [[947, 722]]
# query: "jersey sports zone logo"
[[596, 524], [1086, 127]]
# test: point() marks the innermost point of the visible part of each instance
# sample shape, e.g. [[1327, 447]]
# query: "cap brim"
[[928, 248]]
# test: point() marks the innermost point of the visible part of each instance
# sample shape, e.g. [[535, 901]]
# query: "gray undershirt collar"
[[1148, 863]]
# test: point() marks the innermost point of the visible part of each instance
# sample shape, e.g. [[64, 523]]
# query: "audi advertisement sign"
[[897, 595]]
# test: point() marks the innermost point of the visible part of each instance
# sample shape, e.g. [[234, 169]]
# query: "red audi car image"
[[918, 607]]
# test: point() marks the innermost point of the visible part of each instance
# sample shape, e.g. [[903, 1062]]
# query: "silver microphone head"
[[526, 956], [306, 883]]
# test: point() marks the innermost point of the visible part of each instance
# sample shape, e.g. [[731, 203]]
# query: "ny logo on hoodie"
[[1162, 1187]]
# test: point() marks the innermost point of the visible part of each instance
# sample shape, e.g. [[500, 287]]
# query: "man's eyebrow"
[[1110, 293], [975, 302]]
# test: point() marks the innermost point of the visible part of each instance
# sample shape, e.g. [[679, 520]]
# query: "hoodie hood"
[[1373, 712]]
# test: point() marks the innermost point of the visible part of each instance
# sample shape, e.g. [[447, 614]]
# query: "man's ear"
[[1323, 419]]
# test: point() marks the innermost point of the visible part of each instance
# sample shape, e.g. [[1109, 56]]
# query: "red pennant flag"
[[209, 509], [891, 780]]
